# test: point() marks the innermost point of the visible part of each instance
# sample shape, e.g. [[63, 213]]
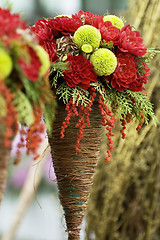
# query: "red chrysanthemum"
[[131, 41], [31, 70], [65, 25], [125, 74], [97, 21], [81, 73], [88, 16], [9, 23], [43, 31], [108, 31]]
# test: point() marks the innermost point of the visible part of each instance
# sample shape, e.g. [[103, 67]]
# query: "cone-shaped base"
[[75, 170], [4, 161]]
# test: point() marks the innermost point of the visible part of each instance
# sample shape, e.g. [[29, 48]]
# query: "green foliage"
[[33, 90], [80, 96], [57, 75], [142, 103], [64, 92], [24, 108], [49, 115], [123, 102]]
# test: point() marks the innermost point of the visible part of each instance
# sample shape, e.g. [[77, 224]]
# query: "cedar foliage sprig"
[[127, 102]]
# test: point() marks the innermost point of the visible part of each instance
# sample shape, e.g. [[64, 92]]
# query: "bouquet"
[[24, 87], [98, 73], [97, 59]]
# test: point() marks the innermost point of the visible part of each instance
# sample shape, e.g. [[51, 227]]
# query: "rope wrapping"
[[75, 170], [4, 162]]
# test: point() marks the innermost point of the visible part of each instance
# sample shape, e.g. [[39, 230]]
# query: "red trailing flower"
[[131, 41], [81, 73], [125, 74], [65, 25], [108, 31], [31, 70], [43, 31], [88, 17], [9, 23]]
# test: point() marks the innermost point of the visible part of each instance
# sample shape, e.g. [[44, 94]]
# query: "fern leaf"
[[80, 96], [64, 92]]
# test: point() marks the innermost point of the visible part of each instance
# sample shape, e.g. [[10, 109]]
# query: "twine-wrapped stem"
[[74, 170]]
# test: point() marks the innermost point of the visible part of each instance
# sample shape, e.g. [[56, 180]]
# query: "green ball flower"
[[44, 59], [6, 64], [104, 61], [89, 36], [69, 16], [116, 21]]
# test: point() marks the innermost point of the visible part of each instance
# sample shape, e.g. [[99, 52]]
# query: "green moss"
[[87, 35], [116, 21], [104, 62]]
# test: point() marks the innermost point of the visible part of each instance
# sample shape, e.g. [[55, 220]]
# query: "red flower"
[[65, 25], [125, 74], [81, 73], [131, 41], [50, 48], [88, 17], [97, 21], [9, 23], [43, 31], [144, 72], [109, 32], [31, 69]]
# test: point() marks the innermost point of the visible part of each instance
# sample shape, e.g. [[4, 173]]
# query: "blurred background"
[[32, 10], [124, 202]]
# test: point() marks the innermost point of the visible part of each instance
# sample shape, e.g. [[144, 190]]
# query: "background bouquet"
[[97, 58], [24, 86]]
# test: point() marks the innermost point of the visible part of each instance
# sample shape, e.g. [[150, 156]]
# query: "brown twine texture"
[[75, 170], [4, 161]]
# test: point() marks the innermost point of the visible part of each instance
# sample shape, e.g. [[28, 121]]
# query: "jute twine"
[[74, 170], [4, 162]]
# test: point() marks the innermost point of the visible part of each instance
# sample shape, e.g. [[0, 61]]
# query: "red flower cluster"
[[131, 41], [20, 66], [126, 72], [83, 52], [127, 46], [81, 73], [88, 17], [64, 25], [31, 70], [9, 23], [108, 31], [126, 75]]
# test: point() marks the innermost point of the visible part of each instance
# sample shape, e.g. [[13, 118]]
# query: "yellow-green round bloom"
[[116, 21], [44, 59], [69, 16], [89, 36], [104, 61], [6, 64]]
